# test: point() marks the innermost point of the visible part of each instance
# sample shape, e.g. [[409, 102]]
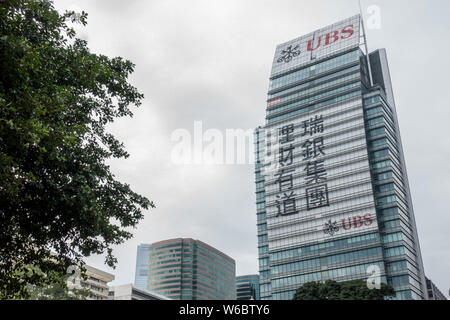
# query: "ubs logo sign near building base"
[[354, 222]]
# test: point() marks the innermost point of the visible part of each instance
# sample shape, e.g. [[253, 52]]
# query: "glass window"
[[374, 121]]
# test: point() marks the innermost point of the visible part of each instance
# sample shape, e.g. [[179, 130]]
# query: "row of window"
[[385, 200], [155, 265], [399, 281], [375, 121], [329, 274], [263, 250], [312, 82], [313, 98], [327, 261], [389, 224], [373, 111], [159, 258], [315, 106], [263, 262], [165, 246], [215, 269], [308, 93], [200, 250], [285, 295], [166, 271], [395, 251], [261, 205], [379, 154], [371, 100], [262, 238], [378, 142], [405, 295], [170, 276], [318, 68], [262, 227], [396, 266], [260, 216], [264, 274], [381, 164], [376, 132], [392, 237], [385, 187], [326, 246], [383, 176]]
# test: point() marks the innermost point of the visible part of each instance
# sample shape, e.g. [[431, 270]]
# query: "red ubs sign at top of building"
[[323, 40], [332, 37]]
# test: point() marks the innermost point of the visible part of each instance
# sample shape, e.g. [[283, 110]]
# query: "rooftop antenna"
[[365, 44]]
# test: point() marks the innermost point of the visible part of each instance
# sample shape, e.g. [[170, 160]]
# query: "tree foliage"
[[58, 290], [56, 191], [348, 290]]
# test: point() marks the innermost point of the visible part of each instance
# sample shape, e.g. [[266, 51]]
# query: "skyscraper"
[[433, 291], [142, 260], [247, 287], [187, 269], [332, 192]]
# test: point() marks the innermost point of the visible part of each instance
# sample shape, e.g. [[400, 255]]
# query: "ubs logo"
[[331, 38], [315, 43], [289, 53], [349, 223]]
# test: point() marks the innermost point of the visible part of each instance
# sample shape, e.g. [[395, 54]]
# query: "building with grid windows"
[[433, 291], [332, 192], [247, 287], [189, 269], [141, 273], [96, 281], [130, 292]]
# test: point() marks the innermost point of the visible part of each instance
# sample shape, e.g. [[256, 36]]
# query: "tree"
[[348, 290], [58, 290], [56, 191]]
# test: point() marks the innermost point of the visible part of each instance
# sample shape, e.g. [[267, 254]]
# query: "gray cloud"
[[210, 61]]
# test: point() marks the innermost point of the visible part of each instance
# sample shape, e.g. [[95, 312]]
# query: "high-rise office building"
[[190, 269], [142, 260], [332, 192], [247, 287], [433, 291]]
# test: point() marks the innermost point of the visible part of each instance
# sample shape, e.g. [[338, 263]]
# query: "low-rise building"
[[433, 292], [96, 282], [129, 292], [247, 287]]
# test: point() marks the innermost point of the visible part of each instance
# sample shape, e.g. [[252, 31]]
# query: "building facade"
[[96, 281], [129, 292], [332, 192], [433, 291], [142, 261], [247, 287], [190, 269]]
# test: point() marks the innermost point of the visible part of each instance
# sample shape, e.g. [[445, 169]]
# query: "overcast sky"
[[210, 60]]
